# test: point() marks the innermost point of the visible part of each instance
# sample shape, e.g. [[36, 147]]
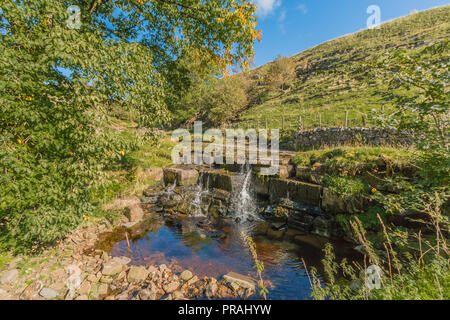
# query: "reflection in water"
[[210, 249]]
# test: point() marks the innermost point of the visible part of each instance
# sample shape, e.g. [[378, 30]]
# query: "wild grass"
[[355, 159], [324, 85]]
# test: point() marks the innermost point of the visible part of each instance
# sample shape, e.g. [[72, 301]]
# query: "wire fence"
[[307, 122]]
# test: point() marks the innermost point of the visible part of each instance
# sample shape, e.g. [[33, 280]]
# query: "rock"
[[211, 289], [128, 225], [149, 200], [82, 297], [106, 279], [137, 274], [240, 280], [171, 287], [112, 267], [123, 260], [102, 289], [92, 278], [186, 275], [153, 191], [182, 175], [147, 294], [85, 287], [48, 293], [298, 191], [178, 295], [321, 227], [58, 286], [135, 213], [10, 276], [194, 279]]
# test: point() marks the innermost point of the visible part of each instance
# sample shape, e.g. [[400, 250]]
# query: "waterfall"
[[244, 203], [198, 195]]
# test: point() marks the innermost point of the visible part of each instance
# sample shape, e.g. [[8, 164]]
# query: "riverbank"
[[75, 270]]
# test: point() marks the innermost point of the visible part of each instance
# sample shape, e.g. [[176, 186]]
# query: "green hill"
[[320, 85]]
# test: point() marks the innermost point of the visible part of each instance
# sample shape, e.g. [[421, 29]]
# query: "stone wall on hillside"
[[322, 137]]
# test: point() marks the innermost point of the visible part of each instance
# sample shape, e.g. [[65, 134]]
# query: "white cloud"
[[281, 19], [266, 6], [302, 8], [282, 16]]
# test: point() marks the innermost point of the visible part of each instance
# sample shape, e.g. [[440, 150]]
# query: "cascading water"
[[244, 203], [199, 194]]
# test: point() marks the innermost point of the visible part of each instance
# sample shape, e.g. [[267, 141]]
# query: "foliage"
[[279, 73], [259, 265], [324, 85], [213, 100], [58, 86], [422, 274], [408, 272], [346, 186], [356, 160]]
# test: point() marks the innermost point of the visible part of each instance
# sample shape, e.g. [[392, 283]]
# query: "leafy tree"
[[280, 72], [58, 83], [214, 100]]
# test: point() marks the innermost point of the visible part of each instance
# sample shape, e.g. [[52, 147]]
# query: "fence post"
[[300, 124], [257, 128], [267, 126], [346, 119], [320, 120], [364, 121], [282, 122]]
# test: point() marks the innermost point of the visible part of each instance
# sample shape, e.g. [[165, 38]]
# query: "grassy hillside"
[[322, 86]]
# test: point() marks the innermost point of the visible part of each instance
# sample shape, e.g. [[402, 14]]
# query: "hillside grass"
[[354, 159], [325, 85]]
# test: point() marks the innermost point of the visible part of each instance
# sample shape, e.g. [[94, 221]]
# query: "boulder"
[[182, 175], [219, 179], [240, 280], [112, 267], [102, 289], [211, 289], [134, 213], [298, 191], [186, 275], [171, 287], [147, 294], [137, 274], [85, 287], [153, 191], [322, 227], [48, 293]]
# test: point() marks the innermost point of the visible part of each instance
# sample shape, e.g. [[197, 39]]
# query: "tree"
[[57, 84], [280, 72], [214, 100]]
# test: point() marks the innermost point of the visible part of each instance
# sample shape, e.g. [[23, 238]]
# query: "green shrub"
[[345, 185]]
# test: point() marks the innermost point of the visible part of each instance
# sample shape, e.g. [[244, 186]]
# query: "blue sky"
[[291, 26]]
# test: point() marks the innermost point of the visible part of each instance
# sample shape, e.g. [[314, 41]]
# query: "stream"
[[213, 246]]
